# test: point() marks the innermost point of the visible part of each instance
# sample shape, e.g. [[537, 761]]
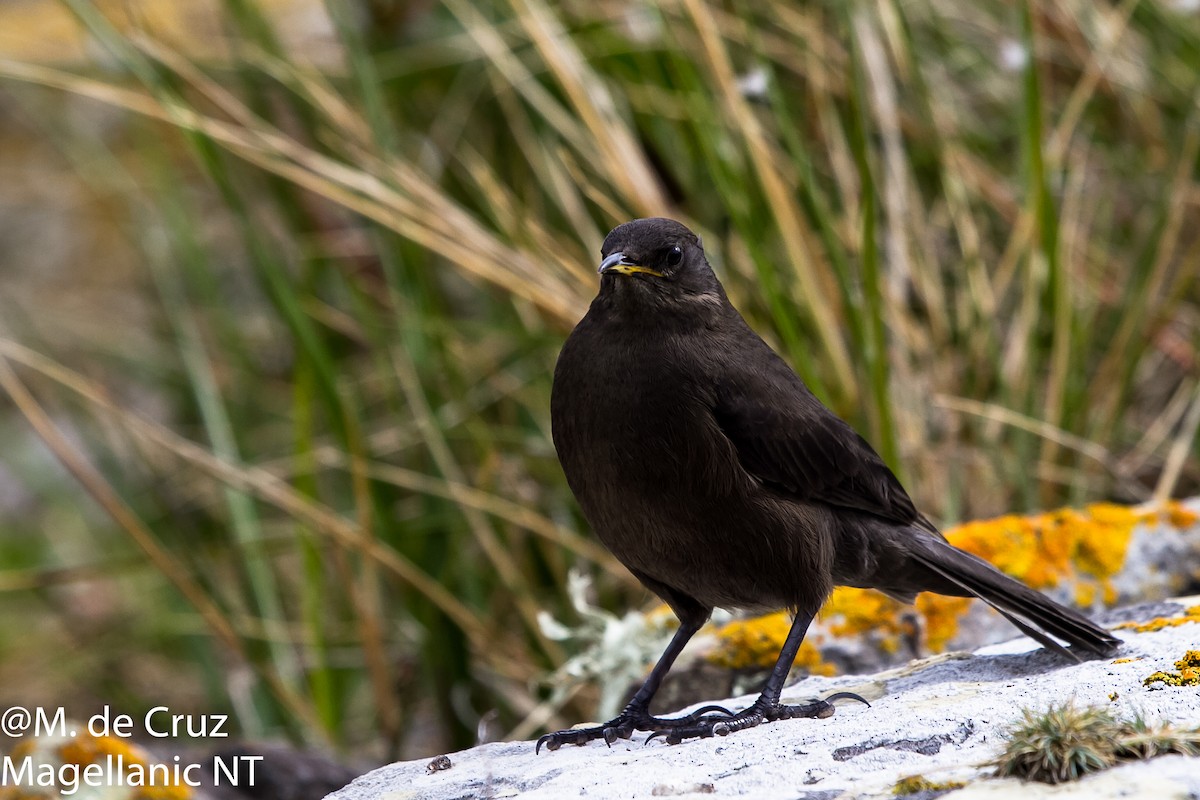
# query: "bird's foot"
[[629, 721], [761, 711]]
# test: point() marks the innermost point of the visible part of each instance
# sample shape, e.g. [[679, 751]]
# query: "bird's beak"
[[618, 263]]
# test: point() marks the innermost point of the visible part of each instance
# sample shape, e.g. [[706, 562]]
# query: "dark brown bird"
[[710, 470]]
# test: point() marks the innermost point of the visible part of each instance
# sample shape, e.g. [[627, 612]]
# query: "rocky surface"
[[942, 718]]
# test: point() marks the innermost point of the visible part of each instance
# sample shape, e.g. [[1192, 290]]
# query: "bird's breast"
[[634, 429], [659, 481], [637, 415]]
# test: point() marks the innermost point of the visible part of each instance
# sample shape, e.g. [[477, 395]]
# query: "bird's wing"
[[789, 441]]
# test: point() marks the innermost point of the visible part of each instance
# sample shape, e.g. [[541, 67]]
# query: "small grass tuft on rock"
[[1061, 744], [1066, 742]]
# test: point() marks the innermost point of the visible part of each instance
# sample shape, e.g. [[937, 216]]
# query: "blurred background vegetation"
[[284, 282]]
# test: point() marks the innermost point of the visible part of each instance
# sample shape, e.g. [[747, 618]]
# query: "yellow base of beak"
[[631, 269]]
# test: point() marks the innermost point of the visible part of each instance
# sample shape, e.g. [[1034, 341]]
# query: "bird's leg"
[[767, 707], [636, 715]]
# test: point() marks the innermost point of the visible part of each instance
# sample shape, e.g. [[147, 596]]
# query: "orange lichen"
[[1085, 546], [661, 616], [86, 750], [1188, 672], [852, 611], [1190, 614], [1048, 549], [755, 644], [1009, 542], [23, 748], [941, 616], [1100, 548], [748, 643], [916, 784], [808, 658], [1085, 594], [1179, 516], [1078, 548], [89, 749]]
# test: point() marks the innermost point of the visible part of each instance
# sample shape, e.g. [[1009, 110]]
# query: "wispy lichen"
[[612, 651]]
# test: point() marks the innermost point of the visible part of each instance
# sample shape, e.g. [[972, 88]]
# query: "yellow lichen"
[[1008, 542], [808, 658], [1048, 549], [755, 644], [86, 750], [1188, 673], [1110, 592], [1081, 548], [1086, 546], [747, 643], [662, 616], [853, 611], [1190, 615], [23, 749], [1179, 516], [919, 783], [941, 614], [1101, 549], [1126, 660]]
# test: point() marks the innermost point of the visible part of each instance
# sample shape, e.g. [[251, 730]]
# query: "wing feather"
[[788, 440]]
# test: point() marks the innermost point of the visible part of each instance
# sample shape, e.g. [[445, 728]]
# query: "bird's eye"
[[674, 256]]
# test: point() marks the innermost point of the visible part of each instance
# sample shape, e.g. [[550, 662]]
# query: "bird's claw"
[[760, 712], [700, 712], [846, 696], [619, 728], [694, 724], [702, 723], [623, 727], [708, 727]]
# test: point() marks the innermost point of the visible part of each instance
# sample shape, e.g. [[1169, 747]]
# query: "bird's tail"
[[1036, 615]]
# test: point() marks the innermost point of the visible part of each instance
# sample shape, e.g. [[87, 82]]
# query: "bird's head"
[[657, 261]]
